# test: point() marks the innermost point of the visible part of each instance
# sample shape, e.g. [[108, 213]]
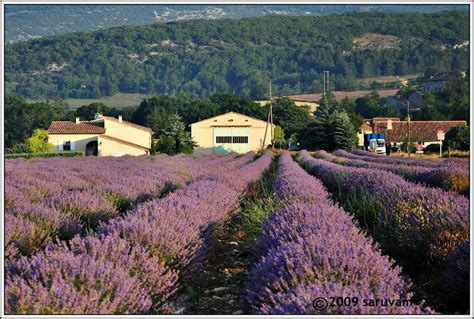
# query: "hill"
[[26, 22], [238, 55]]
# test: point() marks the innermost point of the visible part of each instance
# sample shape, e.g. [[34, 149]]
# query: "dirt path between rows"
[[228, 265]]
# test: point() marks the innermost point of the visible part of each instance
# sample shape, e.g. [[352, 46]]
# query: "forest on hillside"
[[238, 56], [25, 22]]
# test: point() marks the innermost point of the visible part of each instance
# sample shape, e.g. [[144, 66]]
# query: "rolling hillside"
[[238, 55], [25, 22]]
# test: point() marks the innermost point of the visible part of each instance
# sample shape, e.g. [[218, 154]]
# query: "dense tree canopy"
[[237, 56], [293, 118], [22, 118], [458, 138]]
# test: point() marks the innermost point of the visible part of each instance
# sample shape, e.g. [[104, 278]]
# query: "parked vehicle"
[[396, 149], [375, 142], [294, 146]]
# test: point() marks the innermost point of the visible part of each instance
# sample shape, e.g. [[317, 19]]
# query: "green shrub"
[[18, 148], [43, 154], [432, 148]]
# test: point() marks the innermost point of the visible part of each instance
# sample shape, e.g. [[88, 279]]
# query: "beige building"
[[103, 136], [231, 132], [311, 106]]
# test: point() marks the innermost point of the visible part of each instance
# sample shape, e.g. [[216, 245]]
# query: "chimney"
[[78, 120], [120, 118]]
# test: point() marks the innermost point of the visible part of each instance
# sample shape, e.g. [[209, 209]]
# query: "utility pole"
[[271, 117], [269, 120], [408, 123], [325, 82]]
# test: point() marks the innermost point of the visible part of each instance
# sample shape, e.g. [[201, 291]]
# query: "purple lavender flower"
[[311, 248], [415, 224], [95, 276], [449, 175]]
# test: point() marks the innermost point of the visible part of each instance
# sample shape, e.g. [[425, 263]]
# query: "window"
[[67, 146], [223, 139], [240, 139], [232, 139]]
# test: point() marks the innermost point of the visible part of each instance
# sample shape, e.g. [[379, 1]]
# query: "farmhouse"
[[103, 136], [423, 132], [231, 132]]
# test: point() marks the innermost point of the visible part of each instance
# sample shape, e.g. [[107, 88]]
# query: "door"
[[227, 139], [222, 140], [240, 139], [91, 149]]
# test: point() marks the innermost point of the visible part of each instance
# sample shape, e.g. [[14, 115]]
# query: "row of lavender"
[[133, 264], [311, 249], [449, 175], [423, 228], [411, 161], [60, 197]]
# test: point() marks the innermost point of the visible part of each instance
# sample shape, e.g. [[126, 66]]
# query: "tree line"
[[235, 56], [334, 125]]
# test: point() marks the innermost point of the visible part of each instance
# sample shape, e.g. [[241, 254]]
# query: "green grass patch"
[[45, 154], [118, 100], [259, 203]]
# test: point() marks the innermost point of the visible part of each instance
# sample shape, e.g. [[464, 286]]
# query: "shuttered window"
[[240, 139], [67, 146], [232, 139], [223, 139]]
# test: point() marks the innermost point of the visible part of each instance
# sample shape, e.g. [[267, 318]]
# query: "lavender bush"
[[415, 224], [132, 264], [311, 248], [449, 175], [30, 227], [103, 275], [61, 197]]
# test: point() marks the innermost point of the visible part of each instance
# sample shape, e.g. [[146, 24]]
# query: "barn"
[[231, 132]]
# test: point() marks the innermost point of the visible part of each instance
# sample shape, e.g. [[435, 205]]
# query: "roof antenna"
[[97, 114]]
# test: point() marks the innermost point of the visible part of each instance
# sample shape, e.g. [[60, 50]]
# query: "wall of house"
[[127, 133], [360, 136], [203, 132], [79, 141], [107, 147]]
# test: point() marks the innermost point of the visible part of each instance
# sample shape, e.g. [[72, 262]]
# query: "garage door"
[[228, 139]]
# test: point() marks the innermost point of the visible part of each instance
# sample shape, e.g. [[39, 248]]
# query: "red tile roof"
[[123, 142], [420, 131], [67, 127]]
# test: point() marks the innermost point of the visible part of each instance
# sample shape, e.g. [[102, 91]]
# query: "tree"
[[458, 138], [327, 105], [343, 135], [335, 131], [87, 112], [38, 142], [289, 116], [154, 113], [369, 105], [347, 104], [316, 136], [279, 136], [239, 104], [21, 118], [175, 139]]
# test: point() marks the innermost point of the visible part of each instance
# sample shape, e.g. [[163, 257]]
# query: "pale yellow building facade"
[[231, 132], [103, 136]]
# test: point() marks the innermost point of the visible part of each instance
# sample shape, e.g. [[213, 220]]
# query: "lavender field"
[[237, 234]]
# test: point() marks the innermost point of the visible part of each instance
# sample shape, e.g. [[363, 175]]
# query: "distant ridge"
[[25, 22]]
